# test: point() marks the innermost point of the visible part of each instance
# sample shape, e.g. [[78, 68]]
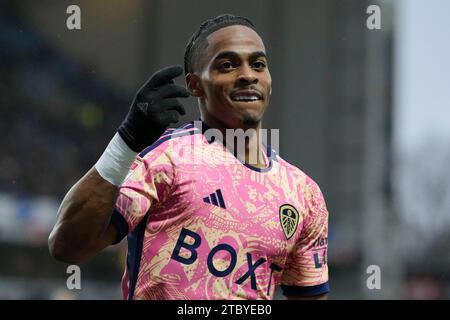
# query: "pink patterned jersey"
[[203, 225]]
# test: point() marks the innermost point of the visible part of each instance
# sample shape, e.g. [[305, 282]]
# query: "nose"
[[247, 75]]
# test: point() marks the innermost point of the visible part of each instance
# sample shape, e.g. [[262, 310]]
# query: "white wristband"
[[116, 160]]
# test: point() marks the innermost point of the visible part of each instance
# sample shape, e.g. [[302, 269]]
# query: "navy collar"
[[270, 154]]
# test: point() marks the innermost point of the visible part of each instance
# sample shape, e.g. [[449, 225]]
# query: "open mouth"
[[246, 96]]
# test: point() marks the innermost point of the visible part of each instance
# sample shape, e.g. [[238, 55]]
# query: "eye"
[[227, 65], [259, 65]]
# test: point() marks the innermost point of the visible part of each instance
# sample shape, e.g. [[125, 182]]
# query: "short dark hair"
[[197, 41]]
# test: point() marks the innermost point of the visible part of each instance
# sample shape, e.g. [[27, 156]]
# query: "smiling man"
[[219, 227]]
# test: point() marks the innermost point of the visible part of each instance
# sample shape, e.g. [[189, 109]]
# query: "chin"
[[251, 120]]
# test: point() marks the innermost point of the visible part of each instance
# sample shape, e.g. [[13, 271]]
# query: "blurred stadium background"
[[366, 113]]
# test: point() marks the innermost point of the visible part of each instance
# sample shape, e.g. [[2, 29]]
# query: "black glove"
[[154, 107]]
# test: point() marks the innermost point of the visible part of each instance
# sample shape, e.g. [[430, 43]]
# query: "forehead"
[[240, 39]]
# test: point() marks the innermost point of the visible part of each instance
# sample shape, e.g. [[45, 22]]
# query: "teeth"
[[246, 98]]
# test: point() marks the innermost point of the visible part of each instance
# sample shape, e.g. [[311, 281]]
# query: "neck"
[[246, 145]]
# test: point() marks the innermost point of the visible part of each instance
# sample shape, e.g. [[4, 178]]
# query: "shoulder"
[[171, 138], [307, 187], [298, 175]]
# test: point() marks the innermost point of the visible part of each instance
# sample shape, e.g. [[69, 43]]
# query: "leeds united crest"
[[289, 220]]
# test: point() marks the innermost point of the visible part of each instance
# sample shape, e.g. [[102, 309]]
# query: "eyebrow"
[[234, 55]]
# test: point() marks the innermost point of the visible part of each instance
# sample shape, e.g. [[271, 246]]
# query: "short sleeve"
[[306, 271], [148, 183]]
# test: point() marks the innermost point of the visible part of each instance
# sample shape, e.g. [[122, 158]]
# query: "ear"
[[194, 85]]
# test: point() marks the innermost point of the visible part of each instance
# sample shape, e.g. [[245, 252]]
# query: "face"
[[232, 77]]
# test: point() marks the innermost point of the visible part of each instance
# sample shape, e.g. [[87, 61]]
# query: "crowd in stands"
[[56, 114]]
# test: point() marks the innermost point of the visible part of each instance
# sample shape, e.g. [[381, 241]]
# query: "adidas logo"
[[216, 199]]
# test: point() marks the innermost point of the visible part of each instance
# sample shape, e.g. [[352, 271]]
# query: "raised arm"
[[83, 226]]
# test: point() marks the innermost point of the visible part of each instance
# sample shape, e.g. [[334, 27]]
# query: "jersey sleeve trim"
[[305, 291], [168, 136], [121, 225]]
